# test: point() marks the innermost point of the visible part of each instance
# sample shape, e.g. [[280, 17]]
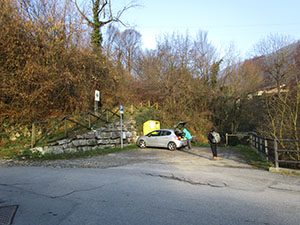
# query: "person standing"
[[213, 143], [188, 136]]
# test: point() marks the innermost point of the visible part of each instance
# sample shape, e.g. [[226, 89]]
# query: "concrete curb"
[[284, 171]]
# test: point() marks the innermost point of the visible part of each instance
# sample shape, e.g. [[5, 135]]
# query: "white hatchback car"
[[164, 138]]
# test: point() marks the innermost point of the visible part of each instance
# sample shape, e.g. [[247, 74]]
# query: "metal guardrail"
[[84, 120], [105, 116], [277, 151]]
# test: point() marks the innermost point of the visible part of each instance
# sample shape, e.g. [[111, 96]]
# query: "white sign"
[[121, 109], [152, 124], [97, 96]]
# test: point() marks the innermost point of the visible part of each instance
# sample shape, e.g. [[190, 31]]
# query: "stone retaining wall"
[[104, 137]]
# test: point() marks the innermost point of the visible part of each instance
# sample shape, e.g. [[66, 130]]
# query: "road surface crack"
[[190, 181], [15, 186], [72, 192]]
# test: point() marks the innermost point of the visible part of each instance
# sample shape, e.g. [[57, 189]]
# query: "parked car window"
[[154, 133], [165, 133]]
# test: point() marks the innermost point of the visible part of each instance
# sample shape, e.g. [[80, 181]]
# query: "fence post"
[[226, 139], [131, 109], [90, 124], [256, 143], [266, 150], [66, 127], [106, 116], [276, 153], [33, 137], [251, 140]]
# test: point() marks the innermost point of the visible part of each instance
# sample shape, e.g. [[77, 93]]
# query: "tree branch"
[[82, 14], [102, 8]]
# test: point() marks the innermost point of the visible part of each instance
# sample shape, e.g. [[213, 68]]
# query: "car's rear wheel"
[[142, 144], [172, 146]]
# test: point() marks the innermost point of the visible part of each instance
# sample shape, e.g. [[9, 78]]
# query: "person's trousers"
[[214, 149], [189, 143]]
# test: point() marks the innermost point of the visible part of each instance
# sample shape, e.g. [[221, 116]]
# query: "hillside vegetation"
[[49, 67]]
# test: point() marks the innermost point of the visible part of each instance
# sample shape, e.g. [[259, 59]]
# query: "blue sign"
[[121, 109]]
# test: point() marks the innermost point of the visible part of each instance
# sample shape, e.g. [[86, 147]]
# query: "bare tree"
[[204, 56], [102, 15], [284, 108], [276, 53], [112, 37], [130, 45], [239, 80]]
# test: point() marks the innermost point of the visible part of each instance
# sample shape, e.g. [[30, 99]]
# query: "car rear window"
[[178, 133]]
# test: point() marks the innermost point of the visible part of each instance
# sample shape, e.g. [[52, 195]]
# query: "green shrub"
[[145, 115]]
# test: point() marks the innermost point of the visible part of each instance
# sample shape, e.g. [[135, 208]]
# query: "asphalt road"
[[151, 187]]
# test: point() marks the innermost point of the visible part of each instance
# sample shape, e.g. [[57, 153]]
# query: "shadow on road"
[[195, 154], [226, 157]]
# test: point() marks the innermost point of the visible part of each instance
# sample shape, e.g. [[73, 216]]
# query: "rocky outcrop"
[[108, 136]]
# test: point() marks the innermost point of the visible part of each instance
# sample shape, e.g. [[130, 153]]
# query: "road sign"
[[97, 96], [121, 109]]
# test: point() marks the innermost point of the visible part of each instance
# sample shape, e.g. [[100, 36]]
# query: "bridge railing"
[[281, 152]]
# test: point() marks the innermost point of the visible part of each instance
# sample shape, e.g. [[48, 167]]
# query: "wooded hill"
[[49, 67]]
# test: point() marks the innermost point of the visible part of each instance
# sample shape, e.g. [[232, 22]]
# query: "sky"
[[242, 23]]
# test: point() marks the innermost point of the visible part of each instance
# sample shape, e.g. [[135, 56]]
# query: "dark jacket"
[[210, 138]]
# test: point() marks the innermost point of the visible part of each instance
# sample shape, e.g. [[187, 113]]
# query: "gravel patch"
[[197, 156], [103, 161]]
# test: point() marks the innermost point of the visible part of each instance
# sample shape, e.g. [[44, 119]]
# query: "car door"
[[164, 138], [153, 139]]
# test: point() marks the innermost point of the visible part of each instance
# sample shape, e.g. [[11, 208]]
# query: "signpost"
[[121, 114], [97, 96], [97, 99]]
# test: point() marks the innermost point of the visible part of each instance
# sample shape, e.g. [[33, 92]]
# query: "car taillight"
[[177, 138]]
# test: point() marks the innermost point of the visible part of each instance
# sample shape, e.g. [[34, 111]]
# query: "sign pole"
[[121, 115], [95, 108]]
